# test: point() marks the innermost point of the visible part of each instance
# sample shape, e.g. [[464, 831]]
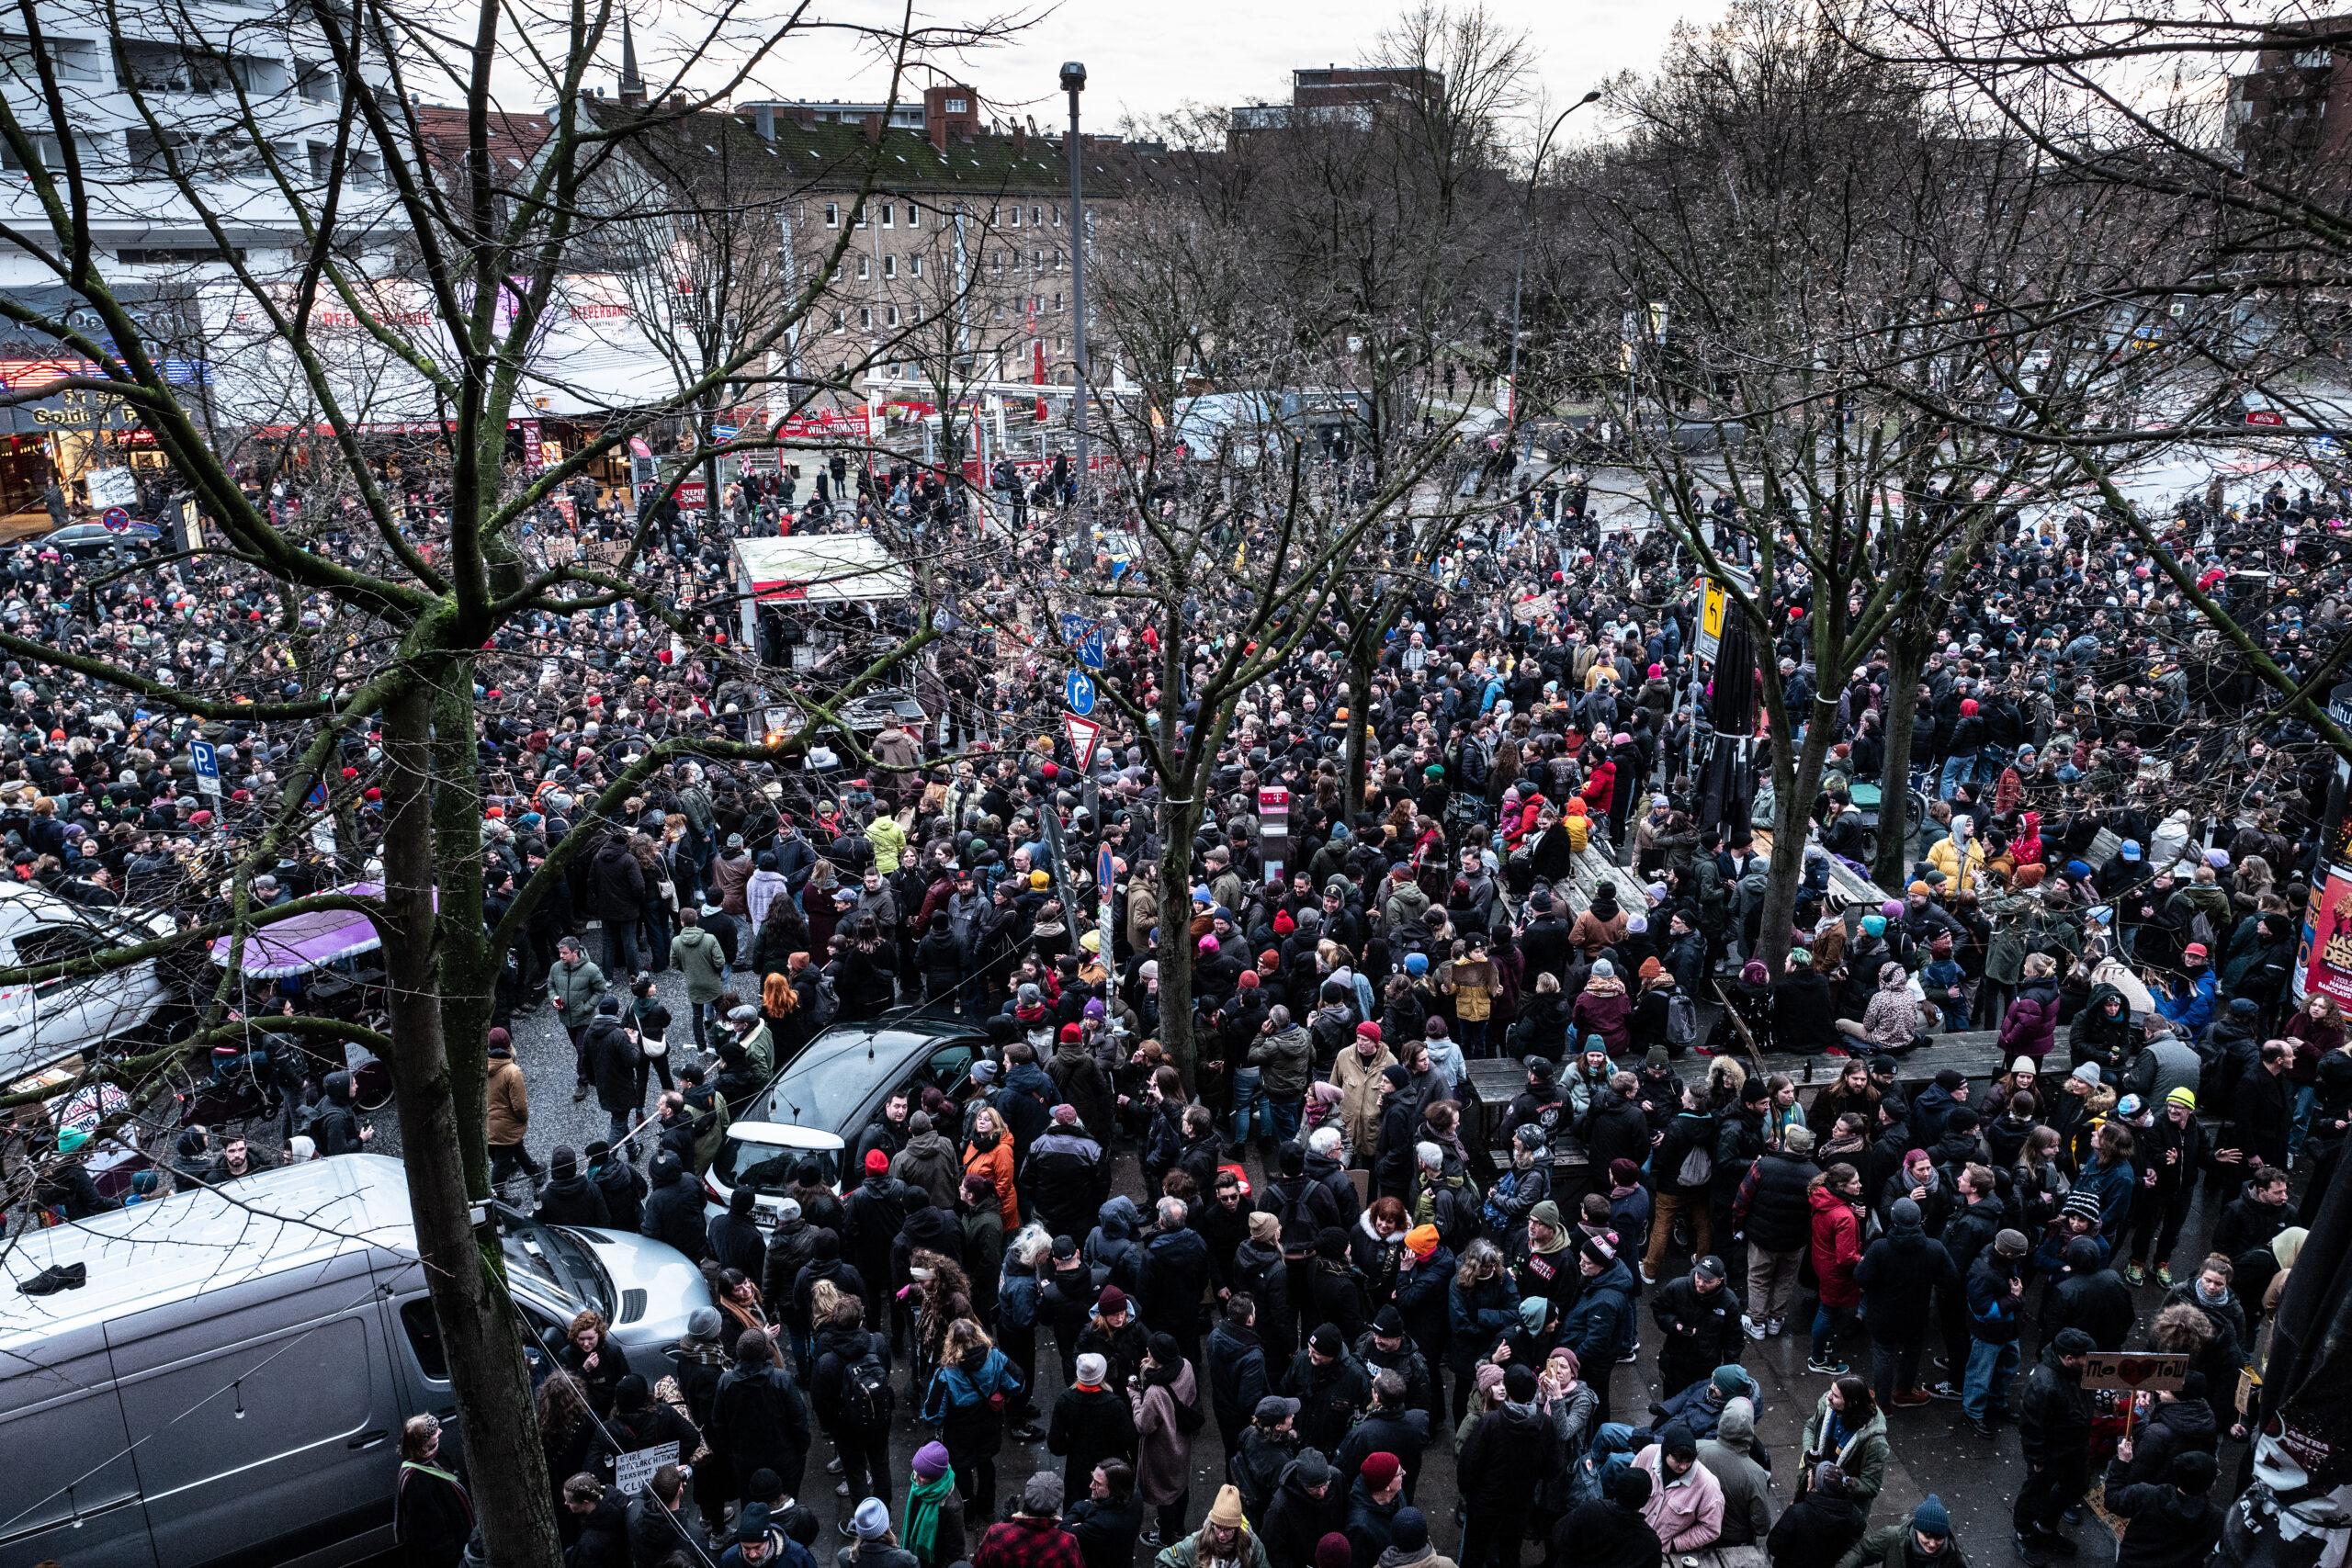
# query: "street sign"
[[1078, 693], [206, 760], [1089, 649], [1711, 622], [318, 796], [2138, 1371], [1083, 733], [2267, 417], [116, 520], [1107, 874]]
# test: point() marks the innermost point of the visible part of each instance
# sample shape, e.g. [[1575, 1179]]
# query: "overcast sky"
[[1143, 60]]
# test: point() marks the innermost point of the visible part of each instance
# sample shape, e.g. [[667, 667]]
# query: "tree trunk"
[[1792, 821], [487, 1370], [1905, 660], [1176, 943]]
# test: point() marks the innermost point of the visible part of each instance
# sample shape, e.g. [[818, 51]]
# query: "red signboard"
[[533, 461], [2329, 958], [2264, 416], [691, 496]]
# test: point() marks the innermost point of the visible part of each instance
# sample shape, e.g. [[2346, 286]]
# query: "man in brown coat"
[[509, 1115]]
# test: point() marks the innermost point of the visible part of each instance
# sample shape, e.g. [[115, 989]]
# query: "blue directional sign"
[[1078, 693], [206, 763], [1089, 649]]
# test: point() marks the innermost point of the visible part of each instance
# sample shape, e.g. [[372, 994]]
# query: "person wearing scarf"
[[933, 1532]]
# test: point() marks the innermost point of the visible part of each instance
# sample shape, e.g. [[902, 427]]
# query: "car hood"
[[655, 1288]]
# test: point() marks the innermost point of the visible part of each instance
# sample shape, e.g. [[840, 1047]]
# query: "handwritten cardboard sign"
[[2139, 1371]]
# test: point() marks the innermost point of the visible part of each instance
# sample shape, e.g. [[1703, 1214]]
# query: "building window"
[[1016, 215], [1057, 217], [52, 155], [71, 59], [914, 216], [857, 217], [320, 85], [862, 272], [998, 258], [832, 215], [889, 315], [1057, 302], [889, 215], [840, 321], [914, 266], [958, 106], [865, 318], [1036, 261], [889, 266], [1036, 216]]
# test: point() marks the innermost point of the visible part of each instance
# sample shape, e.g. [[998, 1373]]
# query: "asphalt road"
[[1933, 1449]]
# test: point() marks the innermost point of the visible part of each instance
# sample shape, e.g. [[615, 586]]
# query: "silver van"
[[231, 1383]]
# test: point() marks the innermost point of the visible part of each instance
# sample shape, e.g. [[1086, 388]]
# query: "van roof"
[[150, 1255]]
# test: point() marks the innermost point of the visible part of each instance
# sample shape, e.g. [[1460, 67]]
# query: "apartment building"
[[2294, 108], [230, 87]]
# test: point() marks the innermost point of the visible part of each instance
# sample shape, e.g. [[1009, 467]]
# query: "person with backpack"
[[1685, 1168], [849, 1389]]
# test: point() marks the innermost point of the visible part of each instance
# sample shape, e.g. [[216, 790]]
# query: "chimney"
[[1020, 139], [764, 120], [804, 117], [873, 124]]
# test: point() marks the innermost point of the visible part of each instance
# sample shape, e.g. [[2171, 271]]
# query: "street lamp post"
[[1074, 82], [1526, 224]]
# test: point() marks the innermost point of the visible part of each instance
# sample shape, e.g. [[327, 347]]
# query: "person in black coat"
[[570, 1199], [735, 1238], [622, 1184], [1174, 1277], [1820, 1527], [1236, 1363], [1309, 1503], [602, 1512], [1609, 1532], [673, 1211], [757, 1416], [1615, 1127], [2173, 1523], [1091, 1423], [1108, 1520], [1700, 1316], [2093, 1298], [2259, 1116], [1398, 1423]]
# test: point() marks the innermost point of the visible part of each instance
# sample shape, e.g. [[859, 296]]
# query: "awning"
[[825, 567], [306, 941]]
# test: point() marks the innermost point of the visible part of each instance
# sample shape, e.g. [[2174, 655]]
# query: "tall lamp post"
[[1074, 82], [1526, 224]]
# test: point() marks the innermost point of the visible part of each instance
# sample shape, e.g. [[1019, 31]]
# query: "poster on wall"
[[112, 487], [2327, 941]]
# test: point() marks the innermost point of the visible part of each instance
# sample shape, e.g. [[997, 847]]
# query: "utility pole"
[[1074, 82]]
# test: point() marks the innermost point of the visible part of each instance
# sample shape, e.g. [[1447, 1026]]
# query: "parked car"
[[84, 540], [822, 1100], [293, 1297], [45, 1023]]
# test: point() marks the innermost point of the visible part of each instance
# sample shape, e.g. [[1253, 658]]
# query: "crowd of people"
[[1312, 1234]]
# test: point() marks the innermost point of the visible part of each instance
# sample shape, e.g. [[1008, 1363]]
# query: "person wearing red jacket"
[[1836, 1197]]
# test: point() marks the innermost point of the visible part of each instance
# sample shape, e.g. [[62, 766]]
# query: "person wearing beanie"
[[1307, 1505], [1034, 1536], [1224, 1540], [1373, 1502], [1330, 1386], [1899, 1275], [2172, 1522], [1333, 1550], [1821, 1526], [2054, 1434], [933, 1521], [570, 1198], [1685, 1501], [1092, 1421], [873, 1543], [1923, 1540], [1359, 1072], [1729, 1456]]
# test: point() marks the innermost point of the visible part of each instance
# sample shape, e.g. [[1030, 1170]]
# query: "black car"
[[824, 1097]]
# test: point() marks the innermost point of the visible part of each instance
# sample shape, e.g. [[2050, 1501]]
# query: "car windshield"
[[767, 1168], [555, 1258], [822, 1095]]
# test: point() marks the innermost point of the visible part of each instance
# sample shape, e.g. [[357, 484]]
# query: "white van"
[[231, 1383]]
